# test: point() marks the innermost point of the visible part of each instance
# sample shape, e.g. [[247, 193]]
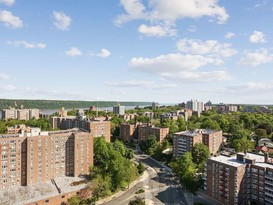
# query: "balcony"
[[268, 182]]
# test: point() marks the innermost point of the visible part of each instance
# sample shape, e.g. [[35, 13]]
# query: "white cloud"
[[179, 67], [10, 20], [198, 77], [104, 53], [210, 47], [141, 84], [7, 2], [26, 44], [258, 57], [158, 30], [4, 76], [62, 21], [257, 37], [229, 35], [250, 86], [192, 29], [171, 10], [8, 88], [118, 92], [73, 51], [261, 4], [134, 10]]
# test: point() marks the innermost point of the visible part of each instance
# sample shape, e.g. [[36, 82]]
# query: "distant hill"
[[56, 104]]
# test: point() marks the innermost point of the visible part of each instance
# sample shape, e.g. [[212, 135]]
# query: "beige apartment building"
[[35, 157], [20, 114], [184, 141], [240, 179]]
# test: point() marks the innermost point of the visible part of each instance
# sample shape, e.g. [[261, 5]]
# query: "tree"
[[200, 154], [119, 146], [137, 201], [260, 133], [186, 171], [74, 200], [210, 124], [129, 154], [242, 144], [266, 126], [140, 168]]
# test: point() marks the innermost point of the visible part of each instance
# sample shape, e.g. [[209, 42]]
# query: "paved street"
[[160, 186]]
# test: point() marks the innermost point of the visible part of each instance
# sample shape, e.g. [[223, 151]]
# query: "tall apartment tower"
[[36, 157], [195, 105], [240, 179], [119, 110]]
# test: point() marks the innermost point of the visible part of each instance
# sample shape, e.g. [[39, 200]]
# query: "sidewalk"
[[143, 177]]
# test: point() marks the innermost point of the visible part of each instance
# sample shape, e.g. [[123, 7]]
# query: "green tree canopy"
[[200, 154]]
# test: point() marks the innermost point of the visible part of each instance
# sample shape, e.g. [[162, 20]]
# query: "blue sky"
[[137, 50]]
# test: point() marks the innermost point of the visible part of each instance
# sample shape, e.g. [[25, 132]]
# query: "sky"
[[167, 51]]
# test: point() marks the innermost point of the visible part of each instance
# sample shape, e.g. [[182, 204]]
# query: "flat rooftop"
[[196, 132], [27, 194], [232, 160]]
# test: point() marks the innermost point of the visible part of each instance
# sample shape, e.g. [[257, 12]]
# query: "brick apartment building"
[[184, 141], [240, 179], [35, 157], [97, 127], [128, 132], [142, 131], [20, 114]]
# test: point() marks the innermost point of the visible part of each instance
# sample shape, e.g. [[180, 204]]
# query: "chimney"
[[266, 156], [245, 152]]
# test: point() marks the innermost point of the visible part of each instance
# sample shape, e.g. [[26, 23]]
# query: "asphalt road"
[[161, 187]]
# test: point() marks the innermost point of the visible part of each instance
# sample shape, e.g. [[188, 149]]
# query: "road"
[[160, 186]]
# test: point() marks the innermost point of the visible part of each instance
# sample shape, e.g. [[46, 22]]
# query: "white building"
[[195, 105], [119, 110]]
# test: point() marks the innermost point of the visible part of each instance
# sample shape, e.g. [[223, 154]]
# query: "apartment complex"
[[141, 132], [20, 114], [240, 179], [184, 113], [144, 131], [97, 126], [36, 157], [184, 141]]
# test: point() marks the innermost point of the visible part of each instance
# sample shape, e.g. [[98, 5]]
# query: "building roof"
[[196, 132], [232, 161]]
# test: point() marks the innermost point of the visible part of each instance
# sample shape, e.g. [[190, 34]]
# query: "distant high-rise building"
[[153, 106], [119, 110], [195, 105], [62, 112]]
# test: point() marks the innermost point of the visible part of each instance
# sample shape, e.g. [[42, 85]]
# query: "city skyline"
[[133, 50]]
